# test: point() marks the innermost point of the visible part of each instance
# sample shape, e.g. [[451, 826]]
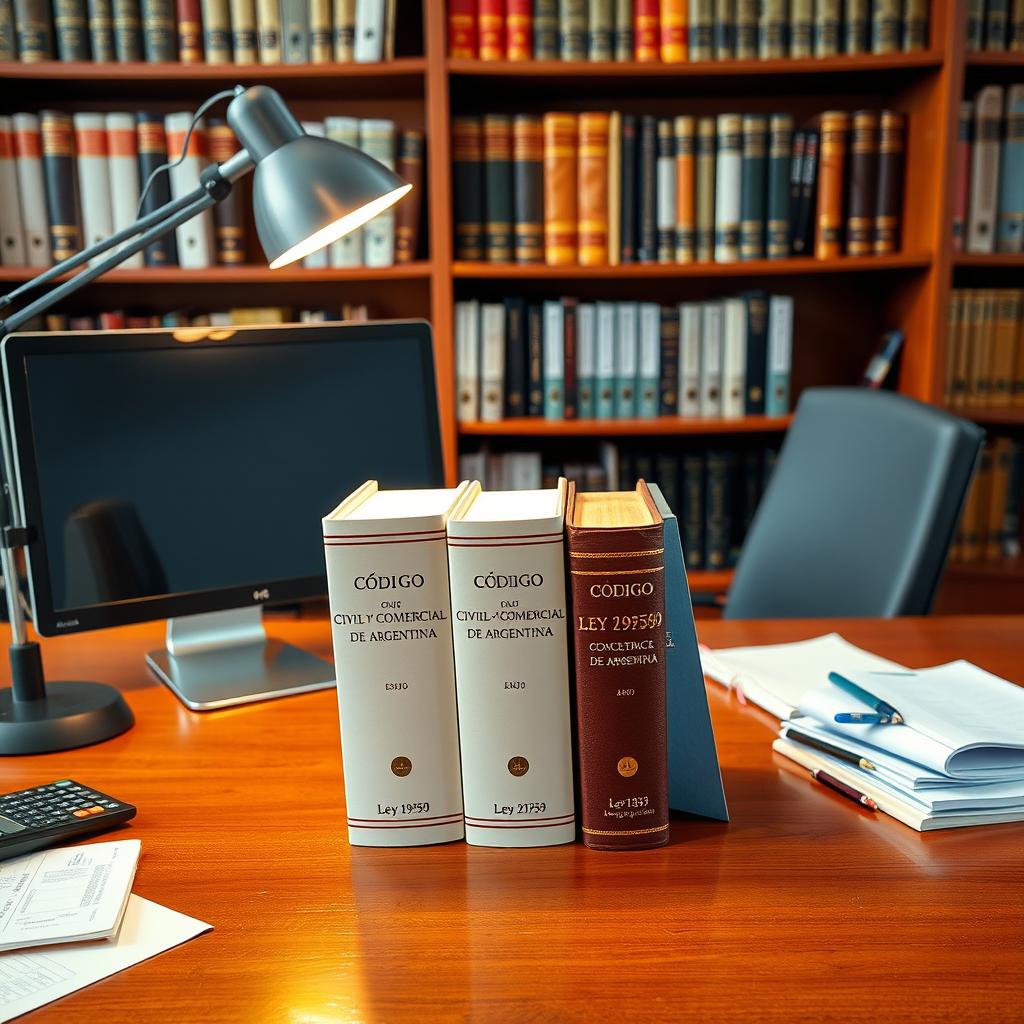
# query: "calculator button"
[[80, 814], [96, 810], [7, 826]]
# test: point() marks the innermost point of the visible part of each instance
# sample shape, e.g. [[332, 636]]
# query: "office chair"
[[858, 516]]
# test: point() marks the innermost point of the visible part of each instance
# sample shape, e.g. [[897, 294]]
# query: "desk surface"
[[805, 903]]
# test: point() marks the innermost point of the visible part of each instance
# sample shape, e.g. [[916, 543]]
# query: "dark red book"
[[570, 381], [462, 28], [190, 32]]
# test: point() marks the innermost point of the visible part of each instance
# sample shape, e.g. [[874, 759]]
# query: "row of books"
[[715, 489], [599, 189], [985, 348], [676, 31], [68, 181], [988, 212], [990, 526], [119, 319], [563, 359], [198, 31], [995, 25]]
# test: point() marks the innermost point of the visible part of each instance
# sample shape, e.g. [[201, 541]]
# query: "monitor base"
[[70, 715]]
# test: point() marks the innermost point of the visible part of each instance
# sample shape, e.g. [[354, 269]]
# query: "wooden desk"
[[804, 907]]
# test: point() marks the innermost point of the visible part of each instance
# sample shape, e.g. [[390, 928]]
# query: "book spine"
[[623, 37], [344, 18], [71, 29], [498, 188], [957, 344], [190, 31], [407, 212], [780, 148], [593, 189], [377, 139], [151, 142], [1002, 453], [33, 22], [705, 190], [28, 154], [228, 222], [545, 30], [753, 180], [647, 190], [1006, 317], [159, 31], [572, 29], [915, 26], [101, 31], [462, 29], [773, 30], [195, 237], [988, 107], [528, 188], [757, 353], [702, 21], [803, 239], [570, 387], [668, 389], [601, 30], [724, 29], [294, 31], [827, 27], [648, 367], [685, 208], [747, 18], [996, 20], [692, 522], [628, 189], [674, 35], [58, 142], [975, 25], [689, 359], [535, 360], [829, 218], [347, 251], [525, 799], [734, 357], [396, 691], [801, 28], [666, 191], [586, 360], [891, 146], [717, 519], [885, 26], [93, 177], [962, 188], [492, 361], [467, 361], [780, 355], [491, 29], [8, 32], [620, 702], [627, 358], [560, 194], [1010, 222], [467, 182], [646, 42], [857, 26], [321, 31], [604, 361], [217, 31], [711, 360], [124, 175], [369, 44], [12, 231], [614, 188], [728, 188], [519, 30], [554, 360], [861, 199], [1016, 44]]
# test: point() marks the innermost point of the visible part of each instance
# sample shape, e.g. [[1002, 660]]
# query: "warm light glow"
[[340, 227]]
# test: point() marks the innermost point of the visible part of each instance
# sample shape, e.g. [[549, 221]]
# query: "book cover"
[[728, 188], [649, 361], [408, 211], [123, 166], [467, 361], [614, 188], [623, 32], [796, 174], [545, 30], [33, 21], [705, 190], [711, 342], [747, 17], [773, 30], [560, 192], [519, 30], [31, 189], [685, 180], [724, 30], [627, 359], [891, 151], [665, 191], [497, 188], [506, 565], [101, 31], [159, 31], [586, 360], [702, 22], [777, 200], [151, 143], [801, 28], [321, 31], [604, 365], [468, 187], [93, 178], [491, 29], [12, 231], [628, 190], [693, 509], [756, 352], [492, 361], [668, 387], [268, 30], [570, 388], [996, 20], [719, 471], [753, 183], [572, 29], [554, 359], [347, 251], [462, 29], [1010, 220], [369, 42], [344, 21], [217, 30], [8, 32], [780, 355], [600, 30], [988, 109], [861, 199], [828, 242], [827, 27], [915, 25], [535, 359], [674, 40], [646, 31], [127, 30], [734, 357], [804, 220], [194, 238], [71, 29], [1006, 322], [593, 189], [975, 25], [228, 219], [394, 656], [962, 171], [857, 26], [689, 359], [1016, 44], [647, 190], [616, 546], [955, 382]]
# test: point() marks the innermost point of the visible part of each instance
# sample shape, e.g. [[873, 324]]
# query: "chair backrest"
[[859, 513]]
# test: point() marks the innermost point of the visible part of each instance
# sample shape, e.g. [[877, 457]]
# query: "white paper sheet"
[[30, 979]]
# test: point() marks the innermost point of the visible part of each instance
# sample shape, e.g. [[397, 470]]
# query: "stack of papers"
[[956, 759]]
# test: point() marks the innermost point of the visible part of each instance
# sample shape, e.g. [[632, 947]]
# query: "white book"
[[649, 361], [689, 358], [12, 232], [492, 361], [984, 198], [320, 259], [586, 359], [553, 352], [467, 359], [124, 176], [32, 189], [506, 560], [369, 44], [780, 355], [93, 179], [495, 472], [627, 358], [524, 471], [391, 625], [665, 206], [727, 189], [604, 367], [734, 357], [347, 251], [473, 465], [194, 238], [710, 359], [377, 139]]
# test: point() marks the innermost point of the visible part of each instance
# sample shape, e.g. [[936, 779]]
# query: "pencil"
[[828, 748], [841, 787]]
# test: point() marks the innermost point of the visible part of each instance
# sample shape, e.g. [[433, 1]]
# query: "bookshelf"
[[843, 304]]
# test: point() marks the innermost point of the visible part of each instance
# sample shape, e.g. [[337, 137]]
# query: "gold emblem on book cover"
[[401, 766], [518, 766], [627, 767]]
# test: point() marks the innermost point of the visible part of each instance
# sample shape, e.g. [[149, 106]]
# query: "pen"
[[841, 787], [884, 714], [827, 748]]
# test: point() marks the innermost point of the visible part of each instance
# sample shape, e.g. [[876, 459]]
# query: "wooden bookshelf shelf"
[[713, 581], [662, 426], [994, 417], [648, 271], [996, 60], [1008, 569], [991, 260]]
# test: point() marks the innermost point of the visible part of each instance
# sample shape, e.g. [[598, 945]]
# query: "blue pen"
[[884, 714]]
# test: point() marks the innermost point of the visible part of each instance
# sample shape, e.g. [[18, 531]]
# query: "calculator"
[[56, 813]]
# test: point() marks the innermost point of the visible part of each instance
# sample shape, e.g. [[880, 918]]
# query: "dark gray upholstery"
[[860, 511]]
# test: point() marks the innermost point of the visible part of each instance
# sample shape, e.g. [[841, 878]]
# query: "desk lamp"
[[307, 192]]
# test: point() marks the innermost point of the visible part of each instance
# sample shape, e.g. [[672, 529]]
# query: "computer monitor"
[[183, 474]]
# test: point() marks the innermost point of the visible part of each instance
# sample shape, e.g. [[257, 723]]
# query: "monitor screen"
[[160, 468]]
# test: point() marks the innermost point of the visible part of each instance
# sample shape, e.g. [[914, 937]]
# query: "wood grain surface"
[[804, 907]]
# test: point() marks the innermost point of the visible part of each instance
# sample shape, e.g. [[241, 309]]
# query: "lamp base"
[[70, 715]]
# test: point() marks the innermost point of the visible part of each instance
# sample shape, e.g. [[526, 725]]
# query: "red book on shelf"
[[112, 321], [646, 31], [462, 28], [190, 32], [492, 29], [519, 29], [962, 191]]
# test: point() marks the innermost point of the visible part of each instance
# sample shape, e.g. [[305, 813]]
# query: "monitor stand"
[[224, 658]]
